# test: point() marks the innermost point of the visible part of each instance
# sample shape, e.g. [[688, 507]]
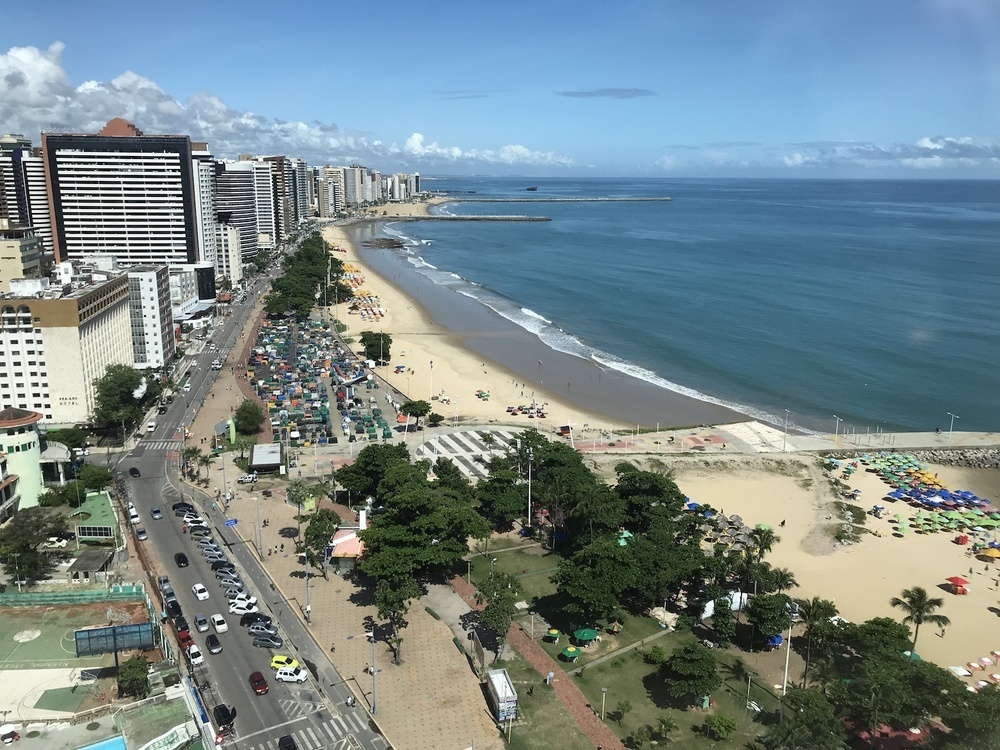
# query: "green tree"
[[297, 492], [362, 477], [723, 622], [500, 593], [133, 677], [322, 525], [93, 477], [118, 396], [813, 612], [416, 409], [392, 600], [501, 498], [810, 723], [920, 608], [769, 615], [71, 437], [377, 346], [434, 419], [665, 726], [622, 709], [690, 673], [249, 416], [592, 581], [718, 727], [23, 535], [971, 717]]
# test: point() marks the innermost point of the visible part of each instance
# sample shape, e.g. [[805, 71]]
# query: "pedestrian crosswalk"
[[161, 445], [467, 450], [347, 731]]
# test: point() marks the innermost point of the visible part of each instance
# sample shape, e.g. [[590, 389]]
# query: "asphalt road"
[[315, 712]]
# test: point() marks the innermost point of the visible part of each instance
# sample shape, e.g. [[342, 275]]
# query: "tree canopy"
[[122, 395], [690, 673], [377, 346], [303, 282], [249, 416]]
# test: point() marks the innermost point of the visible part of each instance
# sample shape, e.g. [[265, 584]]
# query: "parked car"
[[213, 645], [222, 566], [219, 623], [229, 582], [263, 628], [54, 542], [213, 556], [184, 639], [156, 514], [174, 609], [141, 534], [200, 622], [200, 532], [247, 479], [291, 674], [207, 543], [280, 661], [182, 509], [248, 620], [242, 608], [268, 641], [182, 560], [166, 589], [163, 582], [200, 592], [194, 655], [181, 624], [258, 683]]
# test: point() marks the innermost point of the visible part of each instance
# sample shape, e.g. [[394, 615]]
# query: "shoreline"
[[485, 351]]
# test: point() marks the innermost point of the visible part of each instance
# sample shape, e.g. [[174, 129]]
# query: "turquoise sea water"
[[875, 301]]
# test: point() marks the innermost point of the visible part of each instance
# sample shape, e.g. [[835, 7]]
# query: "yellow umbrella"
[[990, 552]]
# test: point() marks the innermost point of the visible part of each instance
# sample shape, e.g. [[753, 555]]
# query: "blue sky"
[[879, 88]]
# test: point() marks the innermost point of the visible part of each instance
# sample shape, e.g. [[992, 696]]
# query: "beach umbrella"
[[736, 520], [911, 655], [553, 634], [585, 634], [957, 581], [992, 552], [763, 527], [570, 653]]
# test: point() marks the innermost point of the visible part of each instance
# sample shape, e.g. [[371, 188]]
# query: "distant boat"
[[532, 188]]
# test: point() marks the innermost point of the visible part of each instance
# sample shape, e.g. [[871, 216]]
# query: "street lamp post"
[[308, 603], [260, 541], [432, 380], [953, 418], [604, 697], [531, 455], [492, 560], [784, 437], [371, 639], [837, 430]]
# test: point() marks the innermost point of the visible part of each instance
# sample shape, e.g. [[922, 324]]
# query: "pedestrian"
[[531, 690], [270, 551], [282, 546], [367, 668]]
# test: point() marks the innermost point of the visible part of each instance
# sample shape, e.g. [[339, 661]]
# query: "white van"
[[151, 427]]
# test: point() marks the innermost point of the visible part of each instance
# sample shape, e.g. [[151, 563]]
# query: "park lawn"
[[628, 678], [635, 629], [543, 722]]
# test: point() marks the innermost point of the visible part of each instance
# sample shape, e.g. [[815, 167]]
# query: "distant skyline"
[[645, 88]]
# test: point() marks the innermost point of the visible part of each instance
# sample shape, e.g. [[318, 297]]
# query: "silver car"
[[200, 622], [262, 628], [231, 583]]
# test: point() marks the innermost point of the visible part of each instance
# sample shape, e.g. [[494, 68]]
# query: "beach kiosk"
[[503, 697]]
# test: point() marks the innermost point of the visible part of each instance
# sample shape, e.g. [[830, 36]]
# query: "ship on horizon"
[[531, 188]]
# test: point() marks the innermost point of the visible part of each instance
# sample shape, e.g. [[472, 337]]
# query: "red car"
[[258, 683], [185, 639]]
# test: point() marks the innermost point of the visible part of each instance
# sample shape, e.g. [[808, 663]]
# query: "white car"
[[291, 674], [200, 592], [243, 608], [247, 479], [219, 623], [187, 388], [55, 542], [195, 656]]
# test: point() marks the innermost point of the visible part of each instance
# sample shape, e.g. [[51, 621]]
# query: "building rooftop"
[[95, 511], [14, 417]]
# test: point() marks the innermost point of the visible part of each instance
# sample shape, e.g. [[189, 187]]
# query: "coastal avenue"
[[314, 713]]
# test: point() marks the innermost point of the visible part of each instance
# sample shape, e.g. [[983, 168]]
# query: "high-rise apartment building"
[[353, 193], [153, 343], [57, 340], [236, 202], [123, 193], [229, 260], [205, 203], [24, 196]]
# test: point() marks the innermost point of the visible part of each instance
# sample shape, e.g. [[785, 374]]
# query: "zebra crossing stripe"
[[311, 739]]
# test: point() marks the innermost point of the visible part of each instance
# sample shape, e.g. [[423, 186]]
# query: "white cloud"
[[38, 96]]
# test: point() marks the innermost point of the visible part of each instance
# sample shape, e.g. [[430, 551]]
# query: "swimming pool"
[[114, 743]]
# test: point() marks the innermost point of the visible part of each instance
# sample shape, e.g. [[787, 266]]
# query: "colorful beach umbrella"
[[570, 653], [553, 634], [585, 634]]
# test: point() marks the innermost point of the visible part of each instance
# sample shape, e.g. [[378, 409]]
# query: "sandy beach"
[[862, 577]]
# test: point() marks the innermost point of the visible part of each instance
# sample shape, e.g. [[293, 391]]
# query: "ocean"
[[877, 302]]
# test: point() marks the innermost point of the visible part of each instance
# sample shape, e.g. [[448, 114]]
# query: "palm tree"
[[812, 612], [190, 456], [762, 541], [919, 608], [489, 440], [205, 460], [781, 579], [665, 724]]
